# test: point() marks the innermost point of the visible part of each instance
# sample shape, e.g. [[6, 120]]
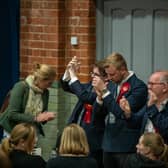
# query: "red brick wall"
[[46, 30]]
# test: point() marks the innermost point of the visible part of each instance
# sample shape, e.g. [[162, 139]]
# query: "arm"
[[134, 120], [83, 91], [99, 113], [70, 74], [17, 103], [136, 97], [159, 119]]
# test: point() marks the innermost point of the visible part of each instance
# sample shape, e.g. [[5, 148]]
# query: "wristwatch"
[[104, 91]]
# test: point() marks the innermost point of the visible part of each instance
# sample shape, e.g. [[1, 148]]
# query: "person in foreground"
[[4, 160], [19, 145], [29, 101], [73, 150], [151, 153]]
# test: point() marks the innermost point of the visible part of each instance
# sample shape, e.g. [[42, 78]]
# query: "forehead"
[[155, 77], [95, 69], [111, 68], [141, 139]]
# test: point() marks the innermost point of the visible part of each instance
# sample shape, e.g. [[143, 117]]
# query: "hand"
[[74, 63], [40, 117], [50, 116], [72, 72], [124, 105], [45, 116], [152, 98]]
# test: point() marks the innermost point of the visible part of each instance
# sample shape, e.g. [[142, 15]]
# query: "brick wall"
[[46, 29]]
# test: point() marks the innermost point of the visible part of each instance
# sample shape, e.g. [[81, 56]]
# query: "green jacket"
[[14, 114]]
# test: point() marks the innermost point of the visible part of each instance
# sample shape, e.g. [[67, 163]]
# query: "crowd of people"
[[118, 120]]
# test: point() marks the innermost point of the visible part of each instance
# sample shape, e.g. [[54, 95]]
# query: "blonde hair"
[[44, 72], [4, 160], [23, 131], [74, 141], [156, 144], [117, 60]]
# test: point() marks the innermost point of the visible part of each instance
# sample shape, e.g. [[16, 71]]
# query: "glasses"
[[92, 74], [155, 83]]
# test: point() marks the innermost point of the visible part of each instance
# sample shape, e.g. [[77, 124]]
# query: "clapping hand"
[[124, 105], [152, 98], [74, 64], [73, 67], [49, 115], [45, 116]]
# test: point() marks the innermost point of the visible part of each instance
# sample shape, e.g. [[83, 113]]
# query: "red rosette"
[[88, 113], [125, 87]]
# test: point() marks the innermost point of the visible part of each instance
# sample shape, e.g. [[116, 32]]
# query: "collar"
[[163, 104], [131, 73], [30, 81]]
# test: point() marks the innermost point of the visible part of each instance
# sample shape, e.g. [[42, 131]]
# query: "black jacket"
[[139, 161], [21, 159]]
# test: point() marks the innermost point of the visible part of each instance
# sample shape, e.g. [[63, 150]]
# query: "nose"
[[149, 86]]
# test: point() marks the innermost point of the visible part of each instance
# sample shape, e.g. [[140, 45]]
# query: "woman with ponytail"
[[152, 152], [29, 100], [19, 145], [4, 160]]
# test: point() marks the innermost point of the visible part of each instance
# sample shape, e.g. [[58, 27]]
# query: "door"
[[138, 29], [9, 48]]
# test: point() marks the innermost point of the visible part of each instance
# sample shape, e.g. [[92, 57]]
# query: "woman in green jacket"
[[29, 101]]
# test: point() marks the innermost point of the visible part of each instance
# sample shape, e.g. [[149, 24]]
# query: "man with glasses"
[[154, 115], [82, 113], [119, 140]]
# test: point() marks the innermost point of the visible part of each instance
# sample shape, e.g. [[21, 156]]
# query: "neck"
[[125, 75], [20, 148], [152, 157], [161, 99]]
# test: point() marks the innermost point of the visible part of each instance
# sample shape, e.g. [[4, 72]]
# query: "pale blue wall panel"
[[161, 40], [121, 34], [142, 43]]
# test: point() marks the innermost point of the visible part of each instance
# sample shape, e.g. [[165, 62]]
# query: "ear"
[[147, 150], [165, 89], [22, 142]]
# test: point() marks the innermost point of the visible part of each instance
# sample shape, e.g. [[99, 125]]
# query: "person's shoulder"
[[37, 160], [21, 84], [142, 161], [91, 162], [137, 81], [55, 161]]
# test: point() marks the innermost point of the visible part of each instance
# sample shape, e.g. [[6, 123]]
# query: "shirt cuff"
[[106, 94], [66, 76], [74, 79], [99, 101]]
